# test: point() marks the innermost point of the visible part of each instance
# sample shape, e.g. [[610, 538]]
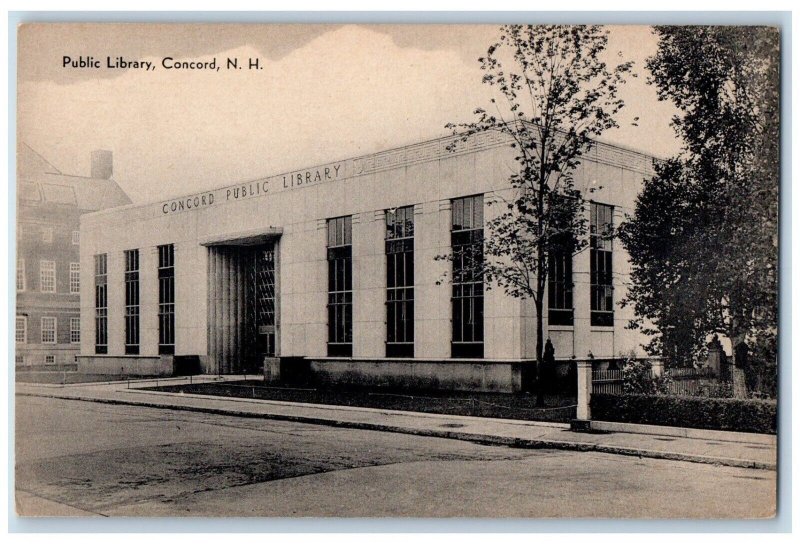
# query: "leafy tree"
[[703, 239], [552, 93]]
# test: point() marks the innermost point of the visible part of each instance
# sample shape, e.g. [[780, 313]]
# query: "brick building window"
[[602, 284], [74, 278], [47, 276], [21, 332], [48, 330], [101, 303], [20, 274], [340, 287], [166, 299], [75, 330], [467, 302], [400, 282], [132, 302], [76, 237], [49, 359]]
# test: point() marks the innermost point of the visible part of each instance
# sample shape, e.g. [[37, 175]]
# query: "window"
[[76, 237], [48, 330], [467, 243], [75, 330], [47, 234], [400, 282], [19, 359], [74, 278], [559, 282], [20, 274], [21, 333], [49, 359], [166, 299], [602, 287], [47, 276], [132, 302], [340, 287], [100, 304]]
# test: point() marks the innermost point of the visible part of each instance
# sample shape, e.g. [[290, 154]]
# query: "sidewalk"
[[714, 447]]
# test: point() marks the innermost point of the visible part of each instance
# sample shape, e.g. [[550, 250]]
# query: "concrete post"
[[584, 389], [657, 367]]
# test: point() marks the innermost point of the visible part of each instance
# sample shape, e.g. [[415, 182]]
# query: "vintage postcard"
[[412, 271]]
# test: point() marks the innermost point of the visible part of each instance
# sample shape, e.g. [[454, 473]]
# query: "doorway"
[[260, 305]]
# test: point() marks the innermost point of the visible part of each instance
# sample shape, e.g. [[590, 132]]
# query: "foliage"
[[637, 377], [552, 94], [703, 239], [744, 415]]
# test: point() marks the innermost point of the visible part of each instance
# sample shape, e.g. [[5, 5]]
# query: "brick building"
[[49, 206]]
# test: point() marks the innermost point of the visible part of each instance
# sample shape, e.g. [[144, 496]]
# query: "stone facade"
[[292, 209]]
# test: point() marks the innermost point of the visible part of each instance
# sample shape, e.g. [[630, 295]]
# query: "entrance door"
[[260, 303]]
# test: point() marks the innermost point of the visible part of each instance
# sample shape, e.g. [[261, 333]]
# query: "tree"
[[553, 94], [703, 239]]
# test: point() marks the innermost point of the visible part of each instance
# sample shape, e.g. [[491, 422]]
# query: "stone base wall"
[[450, 374], [126, 365]]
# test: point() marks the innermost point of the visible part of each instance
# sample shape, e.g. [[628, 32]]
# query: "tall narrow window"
[[166, 299], [602, 287], [100, 304], [132, 302], [75, 330], [48, 330], [20, 274], [400, 282], [76, 237], [340, 287], [74, 278], [47, 276], [559, 282], [467, 244], [21, 335]]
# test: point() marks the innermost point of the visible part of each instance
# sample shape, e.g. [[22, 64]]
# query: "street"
[[86, 458]]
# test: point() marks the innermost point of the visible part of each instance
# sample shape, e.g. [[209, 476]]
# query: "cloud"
[[341, 92]]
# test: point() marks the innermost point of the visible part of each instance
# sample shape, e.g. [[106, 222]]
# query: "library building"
[[330, 273]]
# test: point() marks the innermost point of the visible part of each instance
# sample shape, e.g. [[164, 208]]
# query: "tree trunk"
[[540, 284], [539, 353]]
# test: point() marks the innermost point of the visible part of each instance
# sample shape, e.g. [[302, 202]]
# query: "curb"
[[685, 432], [454, 435]]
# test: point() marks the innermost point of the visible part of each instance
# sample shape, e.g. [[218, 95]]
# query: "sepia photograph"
[[486, 271]]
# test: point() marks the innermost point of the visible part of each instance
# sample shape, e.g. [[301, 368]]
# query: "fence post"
[[657, 367], [584, 413]]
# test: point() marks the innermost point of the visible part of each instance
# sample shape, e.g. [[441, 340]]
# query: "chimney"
[[102, 164]]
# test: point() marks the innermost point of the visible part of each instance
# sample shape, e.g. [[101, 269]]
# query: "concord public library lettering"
[[332, 271]]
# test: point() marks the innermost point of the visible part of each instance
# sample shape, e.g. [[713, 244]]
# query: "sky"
[[323, 93]]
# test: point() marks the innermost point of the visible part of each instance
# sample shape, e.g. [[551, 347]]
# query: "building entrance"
[[243, 304], [260, 304]]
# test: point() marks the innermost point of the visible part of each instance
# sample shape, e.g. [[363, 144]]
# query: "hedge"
[[744, 415]]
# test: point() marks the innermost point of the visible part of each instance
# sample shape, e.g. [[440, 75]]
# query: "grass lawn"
[[497, 405]]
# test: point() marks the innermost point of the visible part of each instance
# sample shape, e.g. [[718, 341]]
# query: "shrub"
[[744, 415], [637, 378]]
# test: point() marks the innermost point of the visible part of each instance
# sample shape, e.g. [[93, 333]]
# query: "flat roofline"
[[451, 137]]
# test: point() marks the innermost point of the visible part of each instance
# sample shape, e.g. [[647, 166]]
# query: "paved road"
[[84, 458]]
